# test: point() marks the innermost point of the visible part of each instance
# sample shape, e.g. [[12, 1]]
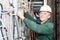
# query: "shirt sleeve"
[[28, 16], [42, 29]]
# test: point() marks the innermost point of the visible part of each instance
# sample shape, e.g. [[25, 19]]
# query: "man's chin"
[[41, 20]]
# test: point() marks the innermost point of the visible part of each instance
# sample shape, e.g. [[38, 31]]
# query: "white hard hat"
[[46, 8]]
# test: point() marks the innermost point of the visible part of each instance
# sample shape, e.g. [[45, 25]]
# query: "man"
[[43, 27]]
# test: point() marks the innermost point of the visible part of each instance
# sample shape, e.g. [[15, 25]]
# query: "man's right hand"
[[25, 6]]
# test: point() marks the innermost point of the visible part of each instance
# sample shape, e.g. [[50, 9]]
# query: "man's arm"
[[28, 16], [42, 29]]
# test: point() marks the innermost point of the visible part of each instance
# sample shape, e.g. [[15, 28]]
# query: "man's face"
[[44, 15]]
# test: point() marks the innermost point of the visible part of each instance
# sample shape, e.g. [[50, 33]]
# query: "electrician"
[[43, 27]]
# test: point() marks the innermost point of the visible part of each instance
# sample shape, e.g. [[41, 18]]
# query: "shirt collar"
[[45, 22]]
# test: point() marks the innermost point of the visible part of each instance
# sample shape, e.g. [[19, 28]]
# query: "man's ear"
[[49, 16]]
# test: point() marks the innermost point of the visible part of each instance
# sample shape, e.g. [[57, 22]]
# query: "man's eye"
[[44, 13]]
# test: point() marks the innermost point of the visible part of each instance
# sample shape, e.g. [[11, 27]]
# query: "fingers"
[[23, 3], [21, 15]]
